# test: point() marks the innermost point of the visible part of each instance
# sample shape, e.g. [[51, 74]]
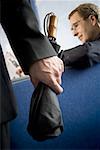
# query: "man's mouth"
[[80, 37]]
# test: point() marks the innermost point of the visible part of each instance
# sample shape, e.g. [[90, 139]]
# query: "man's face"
[[81, 28]]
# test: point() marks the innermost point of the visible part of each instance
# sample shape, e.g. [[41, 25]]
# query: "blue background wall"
[[80, 105]]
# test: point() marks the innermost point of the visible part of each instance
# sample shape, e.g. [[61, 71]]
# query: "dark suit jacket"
[[82, 56], [8, 107], [29, 45]]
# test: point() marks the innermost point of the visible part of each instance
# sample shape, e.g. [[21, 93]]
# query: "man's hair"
[[87, 9]]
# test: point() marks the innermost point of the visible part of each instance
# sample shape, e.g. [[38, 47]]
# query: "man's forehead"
[[75, 17]]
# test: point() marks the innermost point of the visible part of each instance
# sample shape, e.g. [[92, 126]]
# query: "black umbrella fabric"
[[45, 117]]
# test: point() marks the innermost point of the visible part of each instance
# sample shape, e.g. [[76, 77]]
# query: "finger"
[[59, 80], [61, 68], [56, 87]]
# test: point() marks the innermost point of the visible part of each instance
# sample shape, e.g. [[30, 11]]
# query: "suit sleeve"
[[82, 56], [22, 28], [76, 57]]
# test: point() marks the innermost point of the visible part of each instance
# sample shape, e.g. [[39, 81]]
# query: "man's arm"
[[76, 57], [82, 56], [21, 26], [32, 49]]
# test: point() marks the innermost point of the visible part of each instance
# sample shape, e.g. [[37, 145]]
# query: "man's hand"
[[48, 71]]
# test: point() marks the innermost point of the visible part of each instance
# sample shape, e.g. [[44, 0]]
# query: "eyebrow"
[[73, 25]]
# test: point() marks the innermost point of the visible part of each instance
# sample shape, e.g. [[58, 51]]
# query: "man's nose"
[[75, 33]]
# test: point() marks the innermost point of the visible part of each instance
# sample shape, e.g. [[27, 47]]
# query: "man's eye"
[[76, 25]]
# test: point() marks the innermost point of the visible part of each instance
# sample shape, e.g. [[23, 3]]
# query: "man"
[[85, 24], [35, 54]]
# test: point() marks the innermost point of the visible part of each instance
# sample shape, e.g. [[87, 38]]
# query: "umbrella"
[[45, 116]]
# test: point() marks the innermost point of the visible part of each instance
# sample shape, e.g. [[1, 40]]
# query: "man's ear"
[[93, 19]]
